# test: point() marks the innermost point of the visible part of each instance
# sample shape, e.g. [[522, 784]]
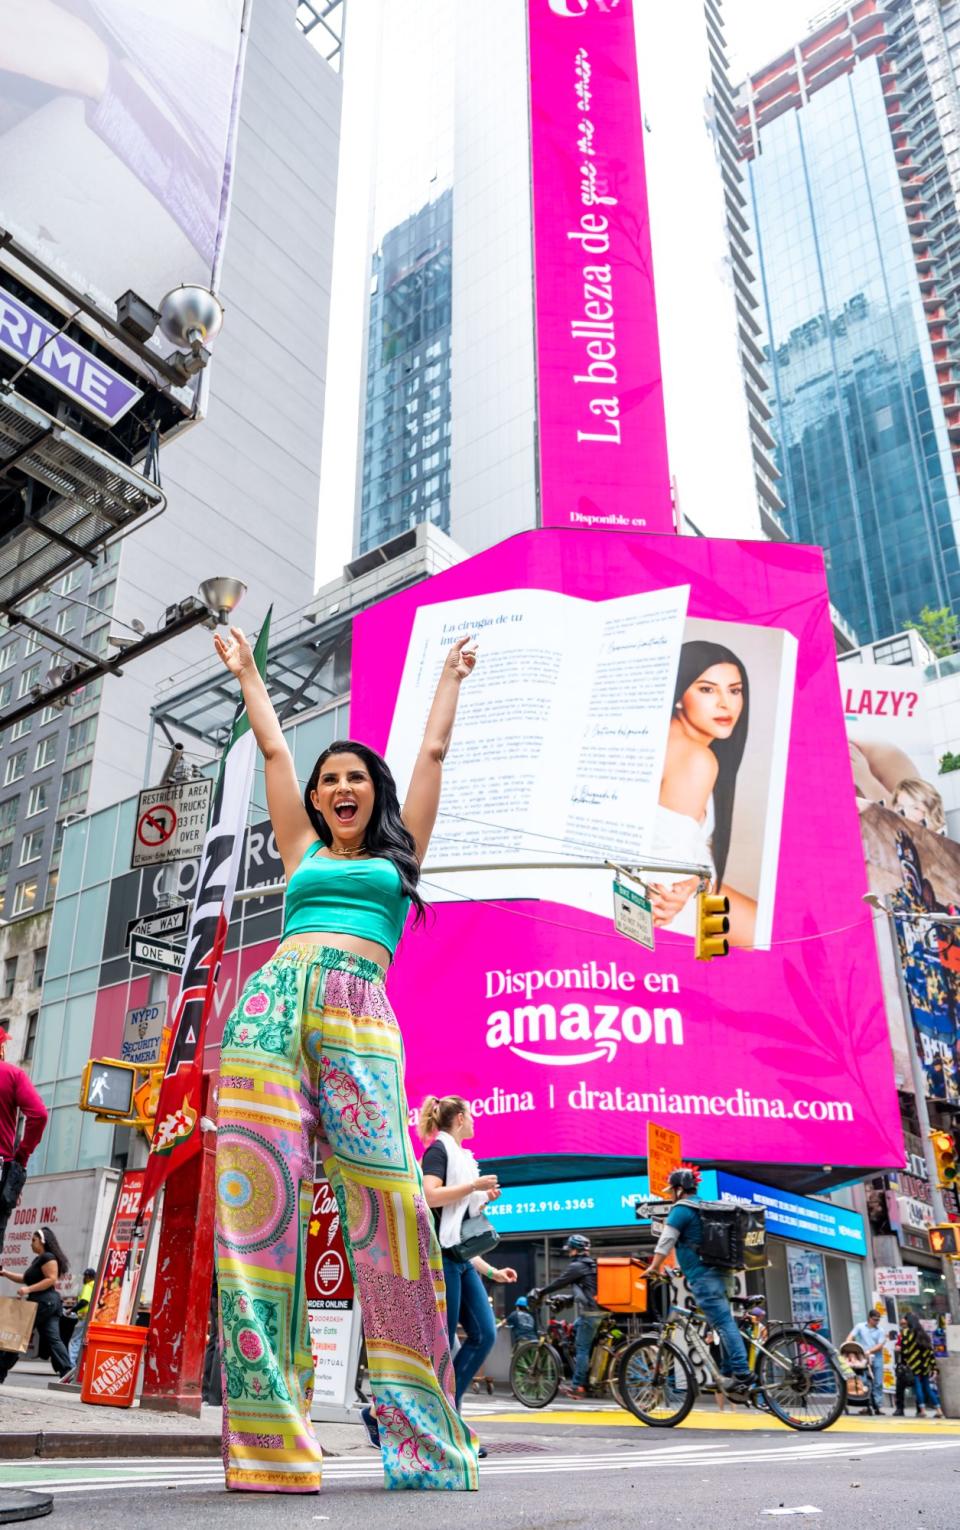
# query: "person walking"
[[916, 1349], [82, 1309], [869, 1335], [455, 1188], [313, 1056], [580, 1277], [683, 1232], [18, 1099], [38, 1284]]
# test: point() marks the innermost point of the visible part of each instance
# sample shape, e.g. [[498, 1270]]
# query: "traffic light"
[[945, 1239], [945, 1153], [107, 1086], [712, 927]]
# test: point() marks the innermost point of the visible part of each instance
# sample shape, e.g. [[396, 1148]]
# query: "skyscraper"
[[451, 317], [863, 390]]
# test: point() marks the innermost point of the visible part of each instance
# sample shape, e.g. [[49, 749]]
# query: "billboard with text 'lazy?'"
[[654, 701]]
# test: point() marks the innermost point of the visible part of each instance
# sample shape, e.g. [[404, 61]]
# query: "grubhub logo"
[[580, 7]]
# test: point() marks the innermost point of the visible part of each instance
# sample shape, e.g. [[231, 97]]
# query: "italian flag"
[[176, 1134]]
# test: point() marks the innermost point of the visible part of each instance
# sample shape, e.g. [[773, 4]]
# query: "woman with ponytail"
[[455, 1188], [312, 1055], [705, 744]]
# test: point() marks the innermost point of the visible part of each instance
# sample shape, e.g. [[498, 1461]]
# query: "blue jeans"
[[925, 1391], [710, 1293], [585, 1331], [76, 1339], [876, 1380], [467, 1303]]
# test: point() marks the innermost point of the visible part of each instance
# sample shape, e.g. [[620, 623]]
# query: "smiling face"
[[710, 708], [344, 796]]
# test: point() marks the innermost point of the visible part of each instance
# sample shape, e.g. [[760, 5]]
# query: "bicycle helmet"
[[521, 1301], [683, 1179], [577, 1241]]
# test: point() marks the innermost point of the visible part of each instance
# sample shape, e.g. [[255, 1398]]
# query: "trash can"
[[111, 1364]]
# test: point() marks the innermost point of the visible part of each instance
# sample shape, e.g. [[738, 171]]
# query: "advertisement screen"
[[910, 859], [117, 122], [602, 436], [655, 701]]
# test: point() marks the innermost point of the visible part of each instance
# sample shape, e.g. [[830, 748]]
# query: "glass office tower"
[[861, 371]]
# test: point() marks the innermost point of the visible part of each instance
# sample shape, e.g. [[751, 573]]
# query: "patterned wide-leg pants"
[[312, 1053]]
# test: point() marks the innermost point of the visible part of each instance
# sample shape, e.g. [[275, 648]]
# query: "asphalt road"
[[552, 1477]]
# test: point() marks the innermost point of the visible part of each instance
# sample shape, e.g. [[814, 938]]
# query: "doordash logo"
[[580, 7]]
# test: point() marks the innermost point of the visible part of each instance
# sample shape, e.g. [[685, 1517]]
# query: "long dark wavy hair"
[[387, 835], [695, 659], [52, 1250]]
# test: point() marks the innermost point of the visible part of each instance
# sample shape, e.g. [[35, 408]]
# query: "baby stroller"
[[858, 1384]]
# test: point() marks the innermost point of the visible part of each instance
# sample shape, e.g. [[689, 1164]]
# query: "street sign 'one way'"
[[158, 954]]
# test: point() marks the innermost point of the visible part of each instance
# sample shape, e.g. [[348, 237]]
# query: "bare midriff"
[[370, 949]]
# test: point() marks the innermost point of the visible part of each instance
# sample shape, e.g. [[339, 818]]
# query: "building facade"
[[863, 387], [241, 485], [449, 426]]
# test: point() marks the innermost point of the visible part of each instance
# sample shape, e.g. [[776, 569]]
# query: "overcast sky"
[[757, 30]]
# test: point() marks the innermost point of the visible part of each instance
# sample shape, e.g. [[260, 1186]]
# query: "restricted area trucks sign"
[[171, 823]]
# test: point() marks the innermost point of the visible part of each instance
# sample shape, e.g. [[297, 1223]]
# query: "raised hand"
[[235, 652], [462, 658]]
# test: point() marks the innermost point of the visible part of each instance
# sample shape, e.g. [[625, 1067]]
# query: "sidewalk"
[[35, 1422]]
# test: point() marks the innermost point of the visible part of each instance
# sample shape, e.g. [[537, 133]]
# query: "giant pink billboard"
[[601, 431], [660, 702]]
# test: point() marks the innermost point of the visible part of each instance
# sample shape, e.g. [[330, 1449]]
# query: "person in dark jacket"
[[921, 1363], [38, 1284], [580, 1276]]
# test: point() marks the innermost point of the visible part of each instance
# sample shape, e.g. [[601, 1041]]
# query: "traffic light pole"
[[923, 1117]]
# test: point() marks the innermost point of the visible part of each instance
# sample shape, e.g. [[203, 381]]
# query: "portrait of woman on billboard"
[[721, 792]]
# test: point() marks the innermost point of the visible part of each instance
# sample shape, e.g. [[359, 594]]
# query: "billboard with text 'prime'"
[[655, 701], [117, 126]]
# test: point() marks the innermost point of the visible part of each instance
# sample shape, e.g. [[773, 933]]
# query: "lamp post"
[[920, 1081]]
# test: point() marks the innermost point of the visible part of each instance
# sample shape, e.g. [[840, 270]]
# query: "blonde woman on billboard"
[[312, 1054], [705, 744]]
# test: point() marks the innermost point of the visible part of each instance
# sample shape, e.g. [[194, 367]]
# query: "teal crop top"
[[363, 898]]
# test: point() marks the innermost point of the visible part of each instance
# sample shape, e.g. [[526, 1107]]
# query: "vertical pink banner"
[[602, 434]]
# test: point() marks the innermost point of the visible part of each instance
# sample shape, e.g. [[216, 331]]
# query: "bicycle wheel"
[[656, 1381], [535, 1372], [800, 1381], [613, 1375]]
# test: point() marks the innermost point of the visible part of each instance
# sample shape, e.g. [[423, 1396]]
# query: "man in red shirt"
[[17, 1097]]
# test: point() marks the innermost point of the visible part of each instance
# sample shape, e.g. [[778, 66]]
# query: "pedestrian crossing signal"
[[107, 1086], [945, 1239], [945, 1153], [712, 927]]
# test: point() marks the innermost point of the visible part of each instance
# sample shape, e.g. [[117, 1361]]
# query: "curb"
[[75, 1445]]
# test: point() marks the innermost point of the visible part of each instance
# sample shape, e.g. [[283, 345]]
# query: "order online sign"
[[600, 657]]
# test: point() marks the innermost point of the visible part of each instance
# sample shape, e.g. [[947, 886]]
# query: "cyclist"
[[521, 1322], [682, 1232], [581, 1276]]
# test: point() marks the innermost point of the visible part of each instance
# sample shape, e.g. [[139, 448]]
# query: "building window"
[[8, 655], [38, 799], [75, 783], [31, 847], [25, 896], [30, 1042], [16, 765], [895, 651], [80, 735], [31, 644], [70, 582], [6, 691], [64, 621], [39, 966], [9, 976], [46, 752], [52, 881], [21, 728], [49, 715], [29, 677], [6, 856], [9, 809]]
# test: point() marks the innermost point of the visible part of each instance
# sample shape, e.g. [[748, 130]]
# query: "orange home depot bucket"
[[111, 1363]]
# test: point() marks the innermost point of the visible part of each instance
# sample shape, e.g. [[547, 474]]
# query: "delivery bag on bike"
[[732, 1235]]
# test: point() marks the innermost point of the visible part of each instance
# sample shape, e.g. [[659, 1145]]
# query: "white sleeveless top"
[[678, 837]]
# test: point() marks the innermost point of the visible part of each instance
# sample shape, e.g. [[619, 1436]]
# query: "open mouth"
[[346, 811]]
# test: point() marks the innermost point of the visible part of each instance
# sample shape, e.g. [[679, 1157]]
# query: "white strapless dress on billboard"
[[678, 837]]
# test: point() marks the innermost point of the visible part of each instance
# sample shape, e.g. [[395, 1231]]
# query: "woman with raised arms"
[[312, 1054]]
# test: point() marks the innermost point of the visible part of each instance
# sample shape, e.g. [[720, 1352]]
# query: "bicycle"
[[799, 1377], [537, 1366]]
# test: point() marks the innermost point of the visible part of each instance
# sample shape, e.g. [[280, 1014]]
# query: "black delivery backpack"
[[733, 1235]]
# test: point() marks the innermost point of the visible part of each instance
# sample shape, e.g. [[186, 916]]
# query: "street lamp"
[[920, 1079], [222, 595]]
